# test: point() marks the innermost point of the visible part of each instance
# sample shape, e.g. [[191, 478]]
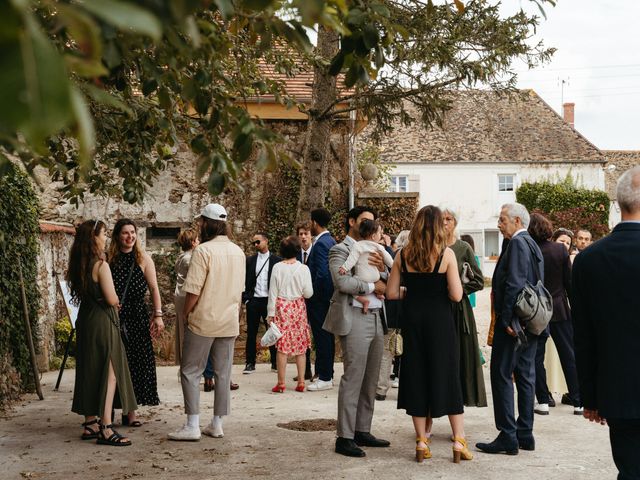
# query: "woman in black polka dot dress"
[[138, 325]]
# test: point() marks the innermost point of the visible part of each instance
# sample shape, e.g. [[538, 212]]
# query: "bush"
[[395, 214], [567, 205], [61, 331], [19, 236]]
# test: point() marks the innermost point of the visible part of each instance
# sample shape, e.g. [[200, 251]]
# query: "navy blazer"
[[557, 278], [299, 256], [510, 277], [250, 275], [605, 306], [318, 263]]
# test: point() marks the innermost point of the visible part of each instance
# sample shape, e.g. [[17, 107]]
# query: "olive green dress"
[[473, 390], [98, 341]]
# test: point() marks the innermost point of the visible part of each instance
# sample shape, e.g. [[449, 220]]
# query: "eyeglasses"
[[256, 242]]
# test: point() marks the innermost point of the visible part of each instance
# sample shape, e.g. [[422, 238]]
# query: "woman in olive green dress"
[[101, 363], [473, 389]]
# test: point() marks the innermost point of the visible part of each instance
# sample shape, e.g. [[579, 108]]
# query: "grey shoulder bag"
[[534, 305]]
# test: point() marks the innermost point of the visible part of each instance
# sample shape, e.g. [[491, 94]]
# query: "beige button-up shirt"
[[216, 274]]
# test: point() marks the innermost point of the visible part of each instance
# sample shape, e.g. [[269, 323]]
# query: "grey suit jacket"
[[340, 314]]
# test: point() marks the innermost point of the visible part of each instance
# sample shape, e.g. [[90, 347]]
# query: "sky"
[[598, 57]]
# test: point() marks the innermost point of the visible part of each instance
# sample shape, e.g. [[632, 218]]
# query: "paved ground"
[[40, 439]]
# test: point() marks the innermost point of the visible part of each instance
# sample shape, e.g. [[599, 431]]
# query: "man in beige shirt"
[[213, 289]]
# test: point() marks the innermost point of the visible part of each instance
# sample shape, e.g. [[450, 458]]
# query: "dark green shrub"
[[19, 236]]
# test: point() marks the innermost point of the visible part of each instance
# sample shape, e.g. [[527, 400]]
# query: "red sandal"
[[300, 387], [279, 388]]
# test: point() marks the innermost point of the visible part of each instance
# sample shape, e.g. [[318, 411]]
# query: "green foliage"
[[281, 204], [395, 214], [567, 205], [20, 231], [61, 332], [9, 382]]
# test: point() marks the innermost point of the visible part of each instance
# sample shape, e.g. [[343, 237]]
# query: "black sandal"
[[115, 440], [93, 434]]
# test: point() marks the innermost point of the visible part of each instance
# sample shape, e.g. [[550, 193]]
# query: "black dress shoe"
[[365, 439], [498, 446], [566, 400], [347, 447], [380, 398], [527, 444], [552, 402]]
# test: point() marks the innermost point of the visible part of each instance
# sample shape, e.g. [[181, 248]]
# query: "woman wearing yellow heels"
[[290, 285], [430, 384]]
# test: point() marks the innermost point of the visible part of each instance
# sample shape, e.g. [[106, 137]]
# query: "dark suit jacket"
[[605, 305], [250, 275], [318, 264], [513, 271], [299, 256], [557, 278]]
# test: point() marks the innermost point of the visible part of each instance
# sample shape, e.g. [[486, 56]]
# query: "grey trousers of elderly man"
[[195, 352], [361, 354]]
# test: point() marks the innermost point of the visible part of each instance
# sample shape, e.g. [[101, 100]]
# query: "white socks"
[[193, 421], [217, 426]]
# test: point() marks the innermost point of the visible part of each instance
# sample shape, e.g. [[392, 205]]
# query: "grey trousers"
[[361, 355], [195, 352], [386, 364]]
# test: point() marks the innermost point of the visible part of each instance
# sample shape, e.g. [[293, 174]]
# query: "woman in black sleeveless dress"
[[134, 273], [430, 379]]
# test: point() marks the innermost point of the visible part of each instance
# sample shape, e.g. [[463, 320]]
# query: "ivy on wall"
[[395, 214], [281, 204], [568, 205], [19, 234]]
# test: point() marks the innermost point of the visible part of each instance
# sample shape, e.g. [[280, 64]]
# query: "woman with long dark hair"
[[101, 363], [430, 381], [133, 274]]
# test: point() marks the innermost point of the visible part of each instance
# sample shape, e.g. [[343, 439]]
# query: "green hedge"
[[19, 236], [568, 205], [395, 214]]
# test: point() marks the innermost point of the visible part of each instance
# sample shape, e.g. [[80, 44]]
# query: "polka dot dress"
[[134, 322]]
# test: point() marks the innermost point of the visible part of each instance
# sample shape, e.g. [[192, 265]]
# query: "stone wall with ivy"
[[568, 205], [396, 211], [18, 248]]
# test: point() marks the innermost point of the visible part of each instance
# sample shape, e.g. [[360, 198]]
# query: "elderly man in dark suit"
[[318, 304], [255, 296], [606, 314], [514, 349]]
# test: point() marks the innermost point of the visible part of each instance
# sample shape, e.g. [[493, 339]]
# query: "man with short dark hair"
[[318, 304], [583, 239], [514, 348], [361, 339], [255, 297], [605, 308]]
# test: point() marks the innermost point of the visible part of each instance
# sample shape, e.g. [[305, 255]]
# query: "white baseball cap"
[[214, 211]]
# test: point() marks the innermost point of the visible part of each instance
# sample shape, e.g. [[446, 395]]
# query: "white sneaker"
[[320, 385], [395, 383], [211, 431], [578, 410], [541, 408], [186, 434]]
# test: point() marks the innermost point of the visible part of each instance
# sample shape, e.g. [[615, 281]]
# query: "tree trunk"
[[317, 144]]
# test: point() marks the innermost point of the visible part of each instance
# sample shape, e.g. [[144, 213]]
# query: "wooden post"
[[27, 326]]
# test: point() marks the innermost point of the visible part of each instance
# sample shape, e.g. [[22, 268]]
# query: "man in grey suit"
[[361, 339]]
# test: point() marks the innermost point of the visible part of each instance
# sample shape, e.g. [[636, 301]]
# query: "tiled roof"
[[483, 126], [623, 160]]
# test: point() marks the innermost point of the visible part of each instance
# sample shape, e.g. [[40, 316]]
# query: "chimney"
[[568, 112]]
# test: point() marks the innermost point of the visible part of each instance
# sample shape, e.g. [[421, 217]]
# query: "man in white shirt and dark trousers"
[[255, 297], [303, 231]]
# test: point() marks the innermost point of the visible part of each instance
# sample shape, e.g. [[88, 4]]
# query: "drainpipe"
[[352, 159]]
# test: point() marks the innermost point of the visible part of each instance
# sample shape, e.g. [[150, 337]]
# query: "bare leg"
[[300, 364], [457, 427], [365, 303], [108, 402], [429, 426], [281, 359], [420, 426]]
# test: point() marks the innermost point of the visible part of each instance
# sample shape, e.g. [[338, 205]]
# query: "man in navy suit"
[[606, 315], [318, 304], [514, 349]]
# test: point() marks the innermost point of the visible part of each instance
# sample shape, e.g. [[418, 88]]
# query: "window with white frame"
[[491, 243], [398, 183], [506, 182]]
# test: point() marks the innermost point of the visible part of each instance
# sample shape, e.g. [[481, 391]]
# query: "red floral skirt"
[[291, 318]]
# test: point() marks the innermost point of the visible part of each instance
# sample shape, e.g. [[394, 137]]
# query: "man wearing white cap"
[[213, 289]]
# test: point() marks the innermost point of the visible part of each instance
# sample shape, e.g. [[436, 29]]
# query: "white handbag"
[[271, 336]]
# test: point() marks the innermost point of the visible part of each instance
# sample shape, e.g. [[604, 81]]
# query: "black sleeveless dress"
[[135, 327], [430, 375]]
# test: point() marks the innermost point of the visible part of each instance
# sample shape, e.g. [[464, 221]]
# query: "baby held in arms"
[[370, 233]]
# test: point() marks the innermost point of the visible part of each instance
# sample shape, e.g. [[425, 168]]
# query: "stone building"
[[178, 195]]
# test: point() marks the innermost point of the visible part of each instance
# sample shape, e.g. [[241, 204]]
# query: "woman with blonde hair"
[[133, 274], [430, 380], [101, 363]]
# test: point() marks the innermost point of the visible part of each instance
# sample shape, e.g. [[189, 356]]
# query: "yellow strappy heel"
[[422, 452], [462, 454]]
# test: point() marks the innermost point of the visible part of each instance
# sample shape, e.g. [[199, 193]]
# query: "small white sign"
[[71, 308]]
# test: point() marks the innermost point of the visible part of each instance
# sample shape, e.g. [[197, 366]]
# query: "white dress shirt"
[[306, 252], [262, 281]]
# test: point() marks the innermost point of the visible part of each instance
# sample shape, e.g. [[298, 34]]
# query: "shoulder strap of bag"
[[536, 270], [263, 265]]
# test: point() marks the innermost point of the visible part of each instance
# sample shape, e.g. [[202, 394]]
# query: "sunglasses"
[[256, 242]]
